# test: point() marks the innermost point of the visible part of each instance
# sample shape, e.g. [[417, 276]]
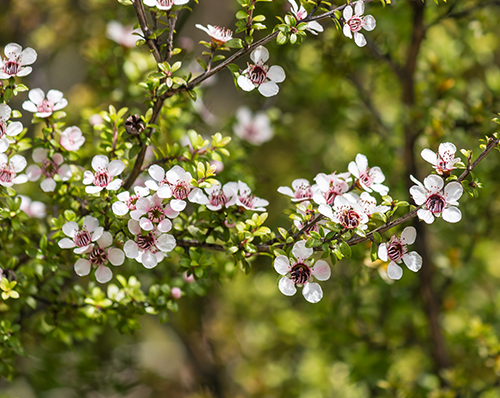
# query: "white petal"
[[105, 240], [359, 39], [359, 8], [103, 274], [382, 251], [347, 13], [100, 162], [409, 235], [18, 162], [282, 265], [120, 208], [312, 292], [287, 287], [29, 106], [286, 191], [4, 144], [433, 183], [419, 195], [369, 22], [116, 256], [425, 215], [134, 227], [276, 74], [54, 96], [178, 205], [326, 210], [33, 172], [321, 270], [260, 54], [48, 185], [429, 156], [165, 225], [65, 172], [413, 261], [452, 214], [36, 96], [149, 260], [166, 243], [88, 177], [116, 167], [66, 243], [347, 30], [394, 271], [146, 224], [39, 155], [269, 89], [176, 174], [301, 252], [157, 172], [97, 233], [164, 191], [28, 56], [130, 249], [91, 223], [14, 129], [93, 189], [114, 185], [245, 83], [453, 191], [82, 267], [70, 228], [5, 111]]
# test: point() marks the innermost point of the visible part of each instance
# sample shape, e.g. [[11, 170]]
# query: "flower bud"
[[134, 125]]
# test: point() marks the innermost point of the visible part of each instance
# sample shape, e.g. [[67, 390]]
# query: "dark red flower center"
[[98, 256], [82, 238], [218, 198], [395, 251], [45, 106], [49, 168], [355, 23], [180, 191], [7, 174], [155, 214], [12, 67], [102, 178], [247, 200], [257, 74], [145, 242], [349, 219], [132, 201], [435, 203], [3, 128], [300, 273]]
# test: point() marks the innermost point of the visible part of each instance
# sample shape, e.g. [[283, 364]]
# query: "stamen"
[[145, 242], [82, 238], [98, 256], [349, 219], [257, 74], [300, 273], [435, 203], [102, 178]]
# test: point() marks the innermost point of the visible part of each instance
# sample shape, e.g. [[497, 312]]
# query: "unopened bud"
[[134, 125]]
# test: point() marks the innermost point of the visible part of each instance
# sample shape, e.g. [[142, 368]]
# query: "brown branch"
[[141, 16]]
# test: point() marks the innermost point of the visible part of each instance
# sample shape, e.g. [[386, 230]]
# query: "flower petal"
[[149, 260], [269, 89], [321, 270], [409, 235], [452, 214], [105, 240], [116, 167], [166, 243], [276, 73], [66, 243], [287, 287], [116, 256], [245, 83], [301, 252], [312, 292], [394, 271], [82, 267], [382, 252], [359, 39], [425, 215], [429, 156], [103, 274], [130, 248], [369, 23], [413, 261], [453, 191], [260, 54], [282, 265]]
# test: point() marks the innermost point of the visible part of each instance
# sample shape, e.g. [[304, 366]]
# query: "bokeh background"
[[429, 74]]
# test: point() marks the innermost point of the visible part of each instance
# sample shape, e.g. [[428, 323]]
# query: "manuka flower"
[[300, 272], [33, 209], [123, 35], [151, 213], [396, 250], [148, 249], [127, 202], [15, 61], [11, 130], [50, 167], [104, 173], [220, 196], [219, 35], [301, 190], [354, 21], [165, 4], [328, 187], [300, 13], [260, 75], [100, 254], [346, 212], [72, 138], [368, 178], [255, 129], [9, 169], [369, 204], [247, 200], [44, 107], [81, 238], [437, 201], [444, 160]]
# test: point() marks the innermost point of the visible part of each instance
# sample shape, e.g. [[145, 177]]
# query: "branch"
[[141, 16]]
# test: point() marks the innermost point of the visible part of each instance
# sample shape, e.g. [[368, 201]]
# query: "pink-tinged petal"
[[149, 260], [321, 270], [245, 83], [347, 13], [394, 271], [269, 89], [286, 191], [48, 185], [165, 225], [146, 224], [413, 261], [175, 174], [88, 177], [301, 252], [130, 248], [36, 96], [116, 256], [166, 243], [369, 23], [136, 214], [57, 158], [134, 227], [276, 74], [65, 172], [178, 205], [287, 287], [120, 208], [164, 192], [151, 185], [81, 250], [97, 233], [169, 212], [54, 96], [347, 30], [408, 236], [312, 292], [18, 162], [419, 195], [116, 167], [382, 252], [28, 105], [14, 129], [156, 172], [114, 185], [452, 214], [123, 196], [282, 265], [359, 39], [142, 206], [82, 267], [103, 274], [66, 243], [28, 56], [447, 147], [426, 216], [260, 54], [377, 174], [326, 210], [70, 228], [33, 172], [100, 162], [359, 8], [90, 223], [105, 240], [429, 156], [433, 183], [453, 191]]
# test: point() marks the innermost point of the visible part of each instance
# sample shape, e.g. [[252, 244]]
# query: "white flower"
[[50, 167], [346, 212], [100, 254], [396, 250], [219, 35], [10, 168], [221, 196], [155, 212], [148, 249], [103, 178], [15, 61], [254, 129], [443, 161], [81, 238], [299, 272], [354, 23], [44, 107], [300, 13], [436, 200], [72, 138], [127, 202], [328, 187], [123, 35], [260, 75], [247, 200], [164, 4], [32, 208], [369, 178], [301, 190], [301, 224], [11, 130], [369, 204]]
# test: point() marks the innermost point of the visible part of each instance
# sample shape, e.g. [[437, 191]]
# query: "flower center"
[[181, 191], [45, 106], [303, 192], [435, 203], [82, 238], [355, 23], [366, 178], [49, 168], [300, 273], [12, 67], [98, 256], [102, 178], [257, 74], [7, 174], [349, 219], [218, 198], [155, 214], [330, 196], [247, 200], [132, 201], [165, 3], [221, 35], [145, 242], [395, 250]]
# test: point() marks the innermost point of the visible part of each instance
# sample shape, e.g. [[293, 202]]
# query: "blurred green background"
[[429, 74]]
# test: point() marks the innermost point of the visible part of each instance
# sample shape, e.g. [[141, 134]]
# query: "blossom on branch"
[[123, 35], [260, 75], [396, 250], [104, 173], [15, 60], [437, 201], [44, 107], [328, 187], [247, 200], [444, 160], [12, 129], [32, 208], [346, 212], [369, 179], [221, 196], [72, 139], [9, 168], [155, 214], [165, 4], [255, 129], [81, 238], [301, 190], [369, 204], [300, 13], [354, 21], [50, 167], [127, 202], [219, 35], [299, 272]]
